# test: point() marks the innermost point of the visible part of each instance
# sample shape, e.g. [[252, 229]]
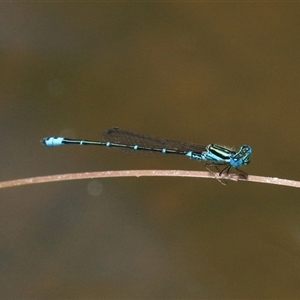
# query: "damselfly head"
[[245, 153]]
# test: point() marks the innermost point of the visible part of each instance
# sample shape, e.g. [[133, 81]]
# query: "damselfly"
[[128, 141]]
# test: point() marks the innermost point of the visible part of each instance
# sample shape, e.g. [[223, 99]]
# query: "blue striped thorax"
[[221, 154]]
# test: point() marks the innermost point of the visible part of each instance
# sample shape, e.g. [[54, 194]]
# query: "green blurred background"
[[224, 73]]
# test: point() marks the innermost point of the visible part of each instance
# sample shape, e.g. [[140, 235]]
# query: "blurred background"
[[225, 73]]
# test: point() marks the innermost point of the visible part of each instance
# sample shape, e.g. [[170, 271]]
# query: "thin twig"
[[139, 173]]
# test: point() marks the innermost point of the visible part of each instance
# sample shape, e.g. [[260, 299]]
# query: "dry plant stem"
[[139, 173]]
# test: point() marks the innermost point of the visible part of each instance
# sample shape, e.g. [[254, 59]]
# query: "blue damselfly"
[[128, 141]]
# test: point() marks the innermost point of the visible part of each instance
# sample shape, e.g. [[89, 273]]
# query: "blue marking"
[[195, 155], [53, 141], [107, 144], [163, 150], [213, 157], [189, 154], [135, 147], [236, 162]]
